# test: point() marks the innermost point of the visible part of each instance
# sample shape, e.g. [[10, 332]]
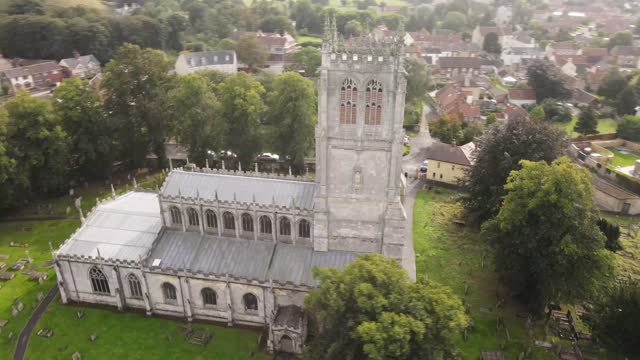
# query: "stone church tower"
[[359, 146]]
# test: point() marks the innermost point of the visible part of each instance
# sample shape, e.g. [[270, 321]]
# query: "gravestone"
[[3, 323], [80, 314], [4, 256], [14, 311], [10, 337], [19, 305], [76, 356], [93, 338], [40, 296]]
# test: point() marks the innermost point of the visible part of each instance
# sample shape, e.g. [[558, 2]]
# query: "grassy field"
[[456, 256], [37, 235], [623, 159], [133, 336], [605, 126], [310, 39]]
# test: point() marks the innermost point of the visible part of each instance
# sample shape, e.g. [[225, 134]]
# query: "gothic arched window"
[[348, 102], [265, 224], [176, 217], [373, 100], [285, 226], [304, 229], [192, 215], [134, 286], [99, 282], [250, 302], [247, 223], [212, 220], [229, 221], [209, 296], [169, 292]]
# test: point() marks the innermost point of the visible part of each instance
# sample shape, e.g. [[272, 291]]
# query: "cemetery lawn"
[[38, 234], [131, 335], [452, 256]]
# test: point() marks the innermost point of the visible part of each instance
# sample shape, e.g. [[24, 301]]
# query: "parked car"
[[269, 156], [424, 166]]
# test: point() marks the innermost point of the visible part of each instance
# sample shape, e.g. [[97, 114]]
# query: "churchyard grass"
[[37, 234], [133, 336], [456, 256]]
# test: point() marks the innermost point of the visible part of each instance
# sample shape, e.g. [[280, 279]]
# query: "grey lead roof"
[[244, 188], [122, 229], [247, 259]]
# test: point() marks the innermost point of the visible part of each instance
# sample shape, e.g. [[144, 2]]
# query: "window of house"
[[440, 176], [229, 221], [304, 229], [176, 217], [169, 292], [134, 286], [193, 217], [250, 302], [434, 175], [212, 219], [265, 225], [209, 296], [247, 223], [99, 282], [285, 226], [453, 167], [348, 101], [438, 165]]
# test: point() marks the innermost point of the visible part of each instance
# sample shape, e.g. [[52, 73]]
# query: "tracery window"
[[209, 296], [247, 223], [229, 221], [99, 282], [176, 217], [373, 101], [134, 286], [169, 292], [250, 302], [212, 219], [192, 216], [304, 229], [348, 102], [285, 226], [265, 225]]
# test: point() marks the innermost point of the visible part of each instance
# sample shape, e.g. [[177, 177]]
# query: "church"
[[238, 246]]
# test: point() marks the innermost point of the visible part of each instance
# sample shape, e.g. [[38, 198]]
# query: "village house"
[[448, 163], [594, 55], [453, 66], [45, 74], [515, 55], [560, 48], [459, 102], [522, 97], [18, 78], [626, 56], [84, 67], [571, 65], [223, 60], [382, 33], [520, 40]]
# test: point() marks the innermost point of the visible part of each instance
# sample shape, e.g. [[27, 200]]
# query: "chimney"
[[76, 54]]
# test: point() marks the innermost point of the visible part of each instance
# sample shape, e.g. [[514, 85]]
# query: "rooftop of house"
[[562, 60], [208, 58], [522, 94], [625, 51], [450, 153], [43, 67], [84, 60], [459, 62], [513, 111], [523, 51]]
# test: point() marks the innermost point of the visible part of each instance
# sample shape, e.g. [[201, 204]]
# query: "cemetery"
[[455, 255]]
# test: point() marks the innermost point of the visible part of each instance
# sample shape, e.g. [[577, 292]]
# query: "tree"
[[491, 119], [566, 262], [276, 23], [616, 320], [370, 310], [623, 38], [292, 118], [391, 21], [629, 128], [587, 123], [309, 59], [537, 113], [418, 78], [454, 21], [200, 126], [501, 149], [626, 101], [555, 111], [25, 7], [491, 43], [545, 79], [611, 233], [447, 130], [251, 51], [242, 108], [77, 105], [176, 25], [37, 144], [8, 188], [352, 28], [612, 84], [135, 82]]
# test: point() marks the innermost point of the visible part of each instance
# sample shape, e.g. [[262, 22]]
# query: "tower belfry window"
[[373, 99], [348, 102]]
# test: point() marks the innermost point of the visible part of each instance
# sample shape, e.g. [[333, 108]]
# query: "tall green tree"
[[242, 107], [8, 186], [418, 78], [491, 43], [292, 117], [135, 82], [309, 59], [546, 80], [176, 25], [548, 247], [623, 38], [37, 144], [454, 21], [616, 320], [629, 128], [626, 101], [587, 123], [612, 84], [537, 113], [447, 130], [251, 51], [500, 151], [370, 310], [77, 104], [556, 111], [200, 127], [25, 7]]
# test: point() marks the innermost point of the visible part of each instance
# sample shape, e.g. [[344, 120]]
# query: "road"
[[23, 339], [410, 164]]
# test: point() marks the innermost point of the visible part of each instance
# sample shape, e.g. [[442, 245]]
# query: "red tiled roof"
[[625, 51], [522, 94]]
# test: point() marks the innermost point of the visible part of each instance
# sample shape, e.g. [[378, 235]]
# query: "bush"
[[629, 128], [612, 233]]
